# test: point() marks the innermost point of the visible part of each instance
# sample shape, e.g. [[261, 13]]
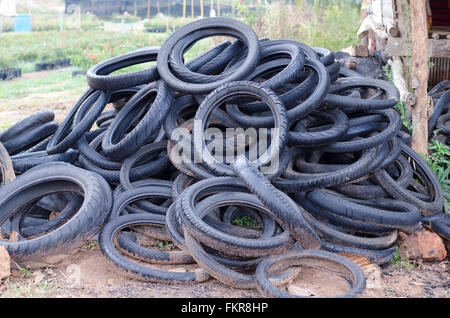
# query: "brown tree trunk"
[[419, 75]]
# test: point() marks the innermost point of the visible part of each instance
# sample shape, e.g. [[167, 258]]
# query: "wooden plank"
[[419, 78], [439, 48]]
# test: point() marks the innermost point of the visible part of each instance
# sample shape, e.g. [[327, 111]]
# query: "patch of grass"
[[246, 221], [90, 246], [54, 81], [166, 246], [439, 161], [25, 271], [84, 48], [400, 106], [27, 289], [402, 261], [332, 25]]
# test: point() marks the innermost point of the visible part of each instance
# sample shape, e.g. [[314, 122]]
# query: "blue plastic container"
[[22, 23]]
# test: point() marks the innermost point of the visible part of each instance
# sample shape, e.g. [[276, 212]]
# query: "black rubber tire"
[[379, 257], [98, 76], [293, 114], [32, 121], [116, 144], [52, 178], [294, 181], [30, 137], [443, 124], [351, 272], [219, 268], [442, 104], [301, 137], [374, 140], [337, 235], [141, 272], [65, 214], [129, 196], [224, 26], [338, 220], [26, 161], [79, 121], [215, 239], [233, 90], [433, 206], [129, 244], [405, 214], [285, 211], [392, 94], [441, 225]]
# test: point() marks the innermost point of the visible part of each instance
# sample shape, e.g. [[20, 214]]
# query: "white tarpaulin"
[[8, 7]]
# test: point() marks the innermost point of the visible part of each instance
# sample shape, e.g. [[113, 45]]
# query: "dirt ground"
[[86, 273]]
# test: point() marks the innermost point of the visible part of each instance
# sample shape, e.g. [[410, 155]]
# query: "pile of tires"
[[439, 121], [338, 175], [52, 65], [10, 73]]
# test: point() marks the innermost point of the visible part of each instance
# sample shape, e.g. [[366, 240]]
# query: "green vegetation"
[[438, 160], [329, 24], [166, 246], [49, 21], [439, 156], [403, 261], [26, 288], [56, 81], [247, 222], [162, 23], [84, 48]]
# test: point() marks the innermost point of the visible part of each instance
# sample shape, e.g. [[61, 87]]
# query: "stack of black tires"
[[439, 121], [10, 73], [44, 66], [338, 175]]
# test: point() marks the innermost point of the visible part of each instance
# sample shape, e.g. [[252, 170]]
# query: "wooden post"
[[192, 9], [168, 8], [184, 8], [135, 8], [201, 8], [159, 8], [148, 8], [419, 75], [218, 8]]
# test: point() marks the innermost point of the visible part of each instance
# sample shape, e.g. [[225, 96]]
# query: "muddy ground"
[[86, 273]]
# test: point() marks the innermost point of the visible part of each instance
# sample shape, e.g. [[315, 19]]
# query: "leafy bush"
[[332, 25], [439, 161]]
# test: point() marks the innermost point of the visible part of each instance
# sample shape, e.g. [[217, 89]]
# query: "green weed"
[[247, 222], [403, 261]]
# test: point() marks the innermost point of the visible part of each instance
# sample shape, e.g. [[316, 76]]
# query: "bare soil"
[[100, 278]]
